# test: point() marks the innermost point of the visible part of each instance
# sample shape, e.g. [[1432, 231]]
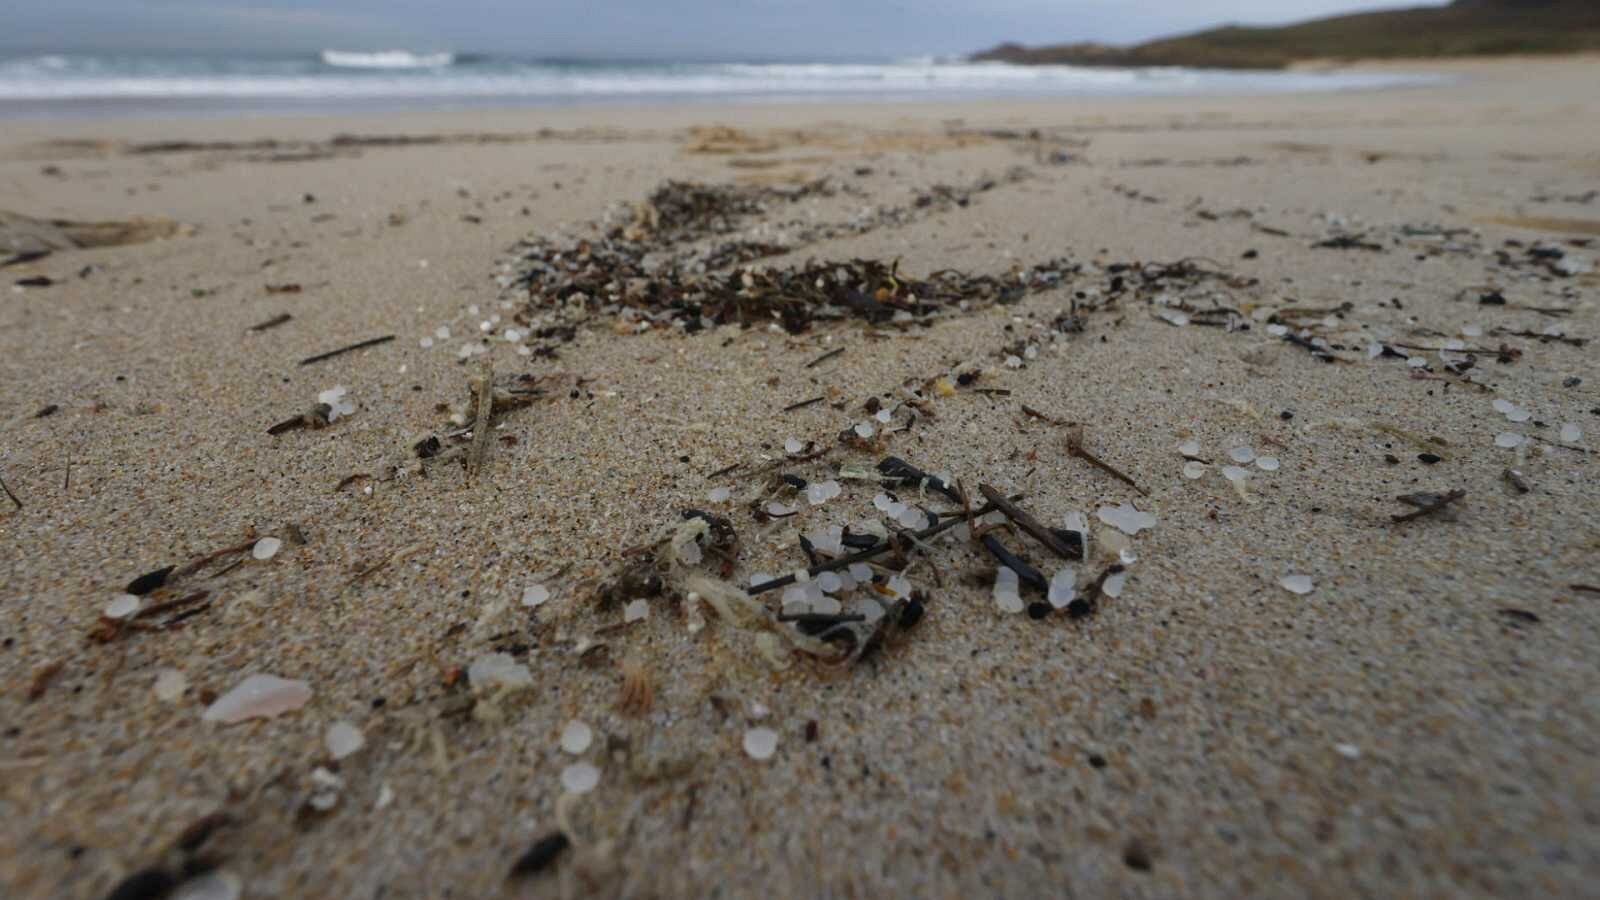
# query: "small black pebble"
[[1391, 459], [1429, 458], [149, 581], [146, 884], [1079, 608], [1286, 415], [1097, 761], [1572, 382], [1251, 254], [1072, 539], [378, 702], [1038, 609], [1136, 856], [540, 855], [911, 614]]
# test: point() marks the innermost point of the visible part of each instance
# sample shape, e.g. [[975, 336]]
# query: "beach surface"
[[1387, 293]]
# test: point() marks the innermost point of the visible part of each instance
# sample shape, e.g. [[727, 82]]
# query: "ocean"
[[71, 85]]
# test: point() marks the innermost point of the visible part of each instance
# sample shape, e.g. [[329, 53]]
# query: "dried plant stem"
[[480, 424]]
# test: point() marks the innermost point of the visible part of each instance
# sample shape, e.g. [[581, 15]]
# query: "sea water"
[[80, 84]]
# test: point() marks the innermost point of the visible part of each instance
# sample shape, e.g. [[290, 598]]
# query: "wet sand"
[[1419, 724]]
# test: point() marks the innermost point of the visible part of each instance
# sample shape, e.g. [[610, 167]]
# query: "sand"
[[1420, 724]]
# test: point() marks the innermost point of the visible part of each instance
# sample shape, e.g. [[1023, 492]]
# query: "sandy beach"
[[1272, 315]]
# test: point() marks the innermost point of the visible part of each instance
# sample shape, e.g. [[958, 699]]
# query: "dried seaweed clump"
[[796, 297], [667, 263], [684, 210]]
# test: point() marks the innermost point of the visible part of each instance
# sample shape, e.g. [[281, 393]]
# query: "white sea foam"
[[386, 59]]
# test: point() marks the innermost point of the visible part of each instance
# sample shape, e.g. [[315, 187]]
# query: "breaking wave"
[[386, 59]]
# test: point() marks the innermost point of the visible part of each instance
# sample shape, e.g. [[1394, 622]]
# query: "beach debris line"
[[655, 265], [29, 238]]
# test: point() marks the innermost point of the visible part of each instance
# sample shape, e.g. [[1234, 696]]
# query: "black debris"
[[149, 581], [539, 857]]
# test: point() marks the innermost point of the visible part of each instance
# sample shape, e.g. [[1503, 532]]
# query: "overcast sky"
[[720, 29]]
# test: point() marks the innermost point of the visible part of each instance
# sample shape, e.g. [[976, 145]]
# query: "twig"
[[1431, 508], [9, 494], [169, 605], [1027, 522], [287, 425], [480, 425], [1075, 448], [824, 358], [27, 256], [42, 677], [815, 619], [724, 470], [371, 342], [396, 556], [1313, 349], [1419, 375], [1544, 440], [1026, 573], [1445, 349], [273, 322], [1541, 337], [803, 404], [210, 558], [1043, 417]]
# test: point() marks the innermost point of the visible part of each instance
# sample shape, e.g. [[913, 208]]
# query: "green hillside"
[[1464, 28]]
